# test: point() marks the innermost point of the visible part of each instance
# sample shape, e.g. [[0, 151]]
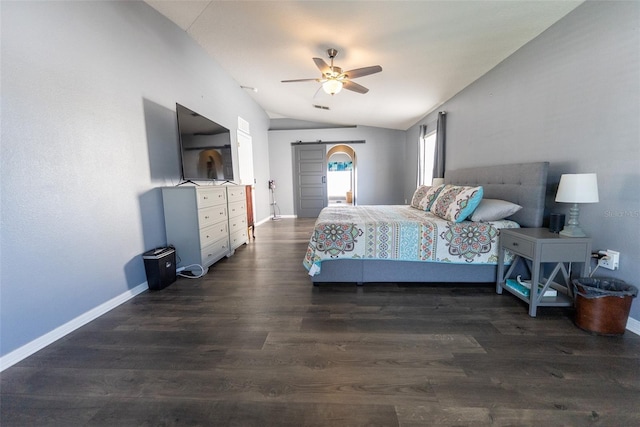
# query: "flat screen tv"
[[205, 147]]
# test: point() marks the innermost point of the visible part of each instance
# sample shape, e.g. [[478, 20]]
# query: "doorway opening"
[[341, 175]]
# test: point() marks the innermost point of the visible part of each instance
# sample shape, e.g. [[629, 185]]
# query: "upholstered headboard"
[[521, 183]]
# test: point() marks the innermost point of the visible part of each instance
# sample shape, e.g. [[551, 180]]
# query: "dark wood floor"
[[253, 343]]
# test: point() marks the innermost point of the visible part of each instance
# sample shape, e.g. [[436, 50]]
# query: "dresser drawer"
[[237, 209], [236, 194], [238, 223], [210, 216], [215, 251], [212, 196], [239, 238], [517, 245], [215, 232]]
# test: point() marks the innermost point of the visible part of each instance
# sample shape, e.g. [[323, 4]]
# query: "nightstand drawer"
[[517, 245]]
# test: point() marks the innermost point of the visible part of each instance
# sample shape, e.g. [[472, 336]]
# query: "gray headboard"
[[521, 183]]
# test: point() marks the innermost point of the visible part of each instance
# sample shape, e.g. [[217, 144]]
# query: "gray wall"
[[380, 162], [88, 134], [571, 97]]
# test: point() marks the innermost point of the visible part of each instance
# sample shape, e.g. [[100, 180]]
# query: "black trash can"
[[160, 266], [602, 304]]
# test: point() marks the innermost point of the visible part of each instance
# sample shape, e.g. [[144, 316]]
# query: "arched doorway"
[[341, 175], [210, 164]]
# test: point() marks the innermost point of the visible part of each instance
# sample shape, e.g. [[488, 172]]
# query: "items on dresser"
[[205, 223]]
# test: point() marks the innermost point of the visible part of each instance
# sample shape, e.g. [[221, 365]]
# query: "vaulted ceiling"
[[428, 50]]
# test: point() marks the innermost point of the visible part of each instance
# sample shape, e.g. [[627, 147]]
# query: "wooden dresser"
[[251, 226]]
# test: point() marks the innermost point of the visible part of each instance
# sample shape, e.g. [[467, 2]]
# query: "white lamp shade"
[[332, 86], [578, 188], [437, 181]]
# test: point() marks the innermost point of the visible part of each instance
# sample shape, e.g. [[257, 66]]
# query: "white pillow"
[[494, 210]]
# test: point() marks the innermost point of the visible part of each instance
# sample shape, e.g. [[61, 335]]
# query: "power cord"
[[203, 271], [597, 256], [179, 270]]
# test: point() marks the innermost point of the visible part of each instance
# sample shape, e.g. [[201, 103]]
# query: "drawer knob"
[[514, 244], [206, 217]]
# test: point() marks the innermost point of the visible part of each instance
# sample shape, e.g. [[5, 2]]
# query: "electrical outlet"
[[611, 259]]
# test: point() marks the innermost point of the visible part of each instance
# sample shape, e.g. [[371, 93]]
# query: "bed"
[[361, 256]]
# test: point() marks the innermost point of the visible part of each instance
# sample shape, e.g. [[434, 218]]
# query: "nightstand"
[[535, 247]]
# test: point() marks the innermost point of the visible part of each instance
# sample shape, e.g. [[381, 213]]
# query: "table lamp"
[[576, 188]]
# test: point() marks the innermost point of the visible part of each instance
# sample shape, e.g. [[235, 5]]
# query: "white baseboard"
[[262, 221], [633, 325], [27, 350]]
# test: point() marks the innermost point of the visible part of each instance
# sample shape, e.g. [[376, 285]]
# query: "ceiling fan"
[[334, 79]]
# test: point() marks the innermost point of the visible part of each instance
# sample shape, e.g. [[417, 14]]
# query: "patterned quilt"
[[403, 233]]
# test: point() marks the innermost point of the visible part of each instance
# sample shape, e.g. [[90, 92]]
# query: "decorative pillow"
[[455, 203], [432, 194], [418, 195], [494, 210]]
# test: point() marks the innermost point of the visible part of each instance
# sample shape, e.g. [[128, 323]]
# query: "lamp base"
[[572, 231]]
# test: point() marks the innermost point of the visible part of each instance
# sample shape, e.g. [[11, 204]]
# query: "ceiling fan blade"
[[322, 65], [354, 87], [359, 72], [300, 80]]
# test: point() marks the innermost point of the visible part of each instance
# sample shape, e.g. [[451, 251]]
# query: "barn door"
[[310, 179]]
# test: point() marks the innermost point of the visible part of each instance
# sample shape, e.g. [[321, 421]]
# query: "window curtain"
[[438, 155], [420, 175]]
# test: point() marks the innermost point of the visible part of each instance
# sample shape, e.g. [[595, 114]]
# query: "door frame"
[[349, 151]]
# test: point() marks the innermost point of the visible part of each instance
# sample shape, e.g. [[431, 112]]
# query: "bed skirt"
[[381, 271]]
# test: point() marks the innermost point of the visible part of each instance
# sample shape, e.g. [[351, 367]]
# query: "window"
[[426, 150]]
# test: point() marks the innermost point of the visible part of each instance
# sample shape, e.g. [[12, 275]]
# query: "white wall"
[[88, 135], [570, 97], [380, 166]]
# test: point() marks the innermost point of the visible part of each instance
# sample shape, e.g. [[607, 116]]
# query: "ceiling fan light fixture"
[[332, 86]]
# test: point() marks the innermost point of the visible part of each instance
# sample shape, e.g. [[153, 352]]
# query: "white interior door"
[[245, 158]]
